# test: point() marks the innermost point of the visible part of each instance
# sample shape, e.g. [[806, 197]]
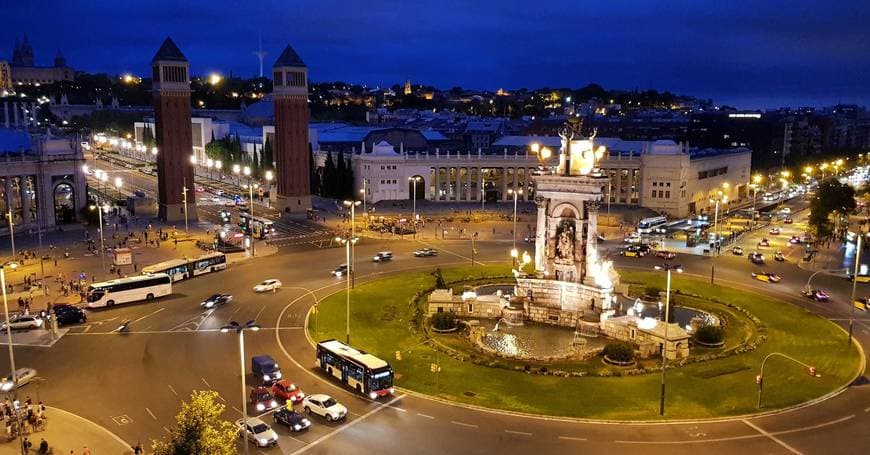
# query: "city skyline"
[[765, 57]]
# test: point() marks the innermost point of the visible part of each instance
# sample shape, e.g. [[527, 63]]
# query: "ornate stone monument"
[[571, 283]]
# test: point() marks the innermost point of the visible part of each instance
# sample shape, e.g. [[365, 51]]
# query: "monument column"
[[171, 92], [591, 220], [541, 235], [290, 92]]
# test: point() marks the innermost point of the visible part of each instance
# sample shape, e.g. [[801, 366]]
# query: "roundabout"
[[711, 383]]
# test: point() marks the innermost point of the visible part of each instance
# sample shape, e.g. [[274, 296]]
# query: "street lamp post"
[[99, 210], [756, 180], [236, 170], [11, 232], [184, 201], [760, 378], [247, 171], [250, 225], [854, 283], [668, 268], [118, 183], [269, 177], [364, 197], [14, 383], [515, 193], [352, 257], [414, 202], [209, 163], [240, 329], [348, 242]]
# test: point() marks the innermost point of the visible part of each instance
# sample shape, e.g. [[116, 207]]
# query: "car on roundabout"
[[764, 242], [426, 252], [767, 277], [819, 295], [664, 254], [262, 399], [69, 314], [632, 253], [788, 221], [382, 256], [23, 376], [256, 431], [778, 256], [271, 284], [861, 303], [324, 406], [737, 251], [23, 322], [340, 271], [287, 391], [216, 300], [756, 257], [795, 240], [293, 419], [774, 231]]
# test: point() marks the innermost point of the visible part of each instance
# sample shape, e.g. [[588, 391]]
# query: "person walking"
[[26, 445], [137, 449], [86, 451]]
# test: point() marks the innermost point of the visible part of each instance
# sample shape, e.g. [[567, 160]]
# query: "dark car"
[[262, 399], [216, 300], [69, 314], [294, 420]]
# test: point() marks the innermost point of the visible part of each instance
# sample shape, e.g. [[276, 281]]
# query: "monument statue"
[[565, 244]]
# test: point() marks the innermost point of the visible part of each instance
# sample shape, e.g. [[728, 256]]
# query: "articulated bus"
[[652, 225], [362, 372], [256, 226], [132, 289], [182, 269]]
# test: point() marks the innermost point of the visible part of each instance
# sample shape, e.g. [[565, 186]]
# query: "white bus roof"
[[340, 348], [164, 265], [131, 279], [209, 255]]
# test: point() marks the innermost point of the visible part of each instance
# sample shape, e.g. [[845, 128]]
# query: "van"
[[266, 369]]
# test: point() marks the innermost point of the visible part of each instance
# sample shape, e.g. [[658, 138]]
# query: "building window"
[[667, 194], [278, 78], [653, 193]]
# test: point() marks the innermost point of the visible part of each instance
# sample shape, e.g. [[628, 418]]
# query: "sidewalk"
[[66, 431]]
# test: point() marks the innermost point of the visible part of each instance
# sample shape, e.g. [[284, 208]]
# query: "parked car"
[[818, 295], [382, 256], [292, 418], [216, 301], [262, 399], [340, 271], [257, 431], [665, 254], [737, 251], [287, 391], [756, 257], [324, 406], [268, 285], [69, 314], [23, 376], [425, 252], [767, 277], [22, 322], [266, 368]]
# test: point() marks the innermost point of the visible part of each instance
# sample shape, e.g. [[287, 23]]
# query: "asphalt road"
[[132, 383]]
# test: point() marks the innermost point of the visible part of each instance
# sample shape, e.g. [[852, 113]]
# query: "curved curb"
[[91, 422], [859, 372]]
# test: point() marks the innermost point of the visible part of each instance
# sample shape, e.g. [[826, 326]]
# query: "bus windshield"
[[381, 379], [95, 295]]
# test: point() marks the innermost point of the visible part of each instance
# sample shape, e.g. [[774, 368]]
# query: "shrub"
[[653, 291], [619, 351], [439, 279], [710, 334], [444, 320]]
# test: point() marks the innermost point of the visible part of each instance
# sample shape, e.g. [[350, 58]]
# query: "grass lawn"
[[381, 324]]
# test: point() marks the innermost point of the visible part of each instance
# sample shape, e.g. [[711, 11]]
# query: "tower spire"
[[260, 53]]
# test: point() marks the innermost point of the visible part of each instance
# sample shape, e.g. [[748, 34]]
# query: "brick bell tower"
[[290, 94], [171, 91]]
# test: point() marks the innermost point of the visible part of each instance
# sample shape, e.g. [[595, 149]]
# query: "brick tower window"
[[296, 79], [278, 78]]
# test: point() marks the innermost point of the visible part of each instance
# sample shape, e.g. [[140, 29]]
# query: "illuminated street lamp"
[[515, 194], [350, 268], [756, 182], [215, 78], [250, 225], [12, 385], [720, 198], [236, 170], [348, 243], [240, 329], [269, 177], [209, 163], [99, 210], [667, 267], [118, 183], [415, 180]]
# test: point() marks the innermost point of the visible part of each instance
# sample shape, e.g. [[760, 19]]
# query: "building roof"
[[289, 58], [14, 141], [526, 141], [169, 51]]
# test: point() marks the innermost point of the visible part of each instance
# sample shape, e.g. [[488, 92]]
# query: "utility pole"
[[854, 283]]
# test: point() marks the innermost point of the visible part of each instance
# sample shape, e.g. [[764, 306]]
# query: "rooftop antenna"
[[260, 53]]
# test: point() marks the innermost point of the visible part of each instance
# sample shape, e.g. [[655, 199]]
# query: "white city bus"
[[652, 225], [182, 269], [363, 372], [132, 289]]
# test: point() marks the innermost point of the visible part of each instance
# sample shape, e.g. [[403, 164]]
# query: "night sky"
[[753, 54]]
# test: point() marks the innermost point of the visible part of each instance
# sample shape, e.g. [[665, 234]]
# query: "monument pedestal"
[[292, 204], [175, 212], [562, 302]]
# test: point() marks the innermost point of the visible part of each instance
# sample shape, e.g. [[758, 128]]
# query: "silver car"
[[23, 376], [23, 322], [257, 431]]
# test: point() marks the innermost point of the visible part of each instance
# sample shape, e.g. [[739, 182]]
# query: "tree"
[[328, 176], [218, 150], [268, 155], [832, 197], [199, 429], [314, 178]]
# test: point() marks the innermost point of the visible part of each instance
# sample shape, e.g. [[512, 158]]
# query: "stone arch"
[[420, 182], [565, 210], [64, 197]]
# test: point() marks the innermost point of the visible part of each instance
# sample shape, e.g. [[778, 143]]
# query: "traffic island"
[[388, 321]]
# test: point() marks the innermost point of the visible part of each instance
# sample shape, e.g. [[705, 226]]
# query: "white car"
[[22, 375], [268, 285], [258, 432], [382, 256], [324, 406], [23, 322]]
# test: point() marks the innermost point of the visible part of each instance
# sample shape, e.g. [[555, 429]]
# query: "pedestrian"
[[55, 262], [43, 447], [86, 451], [137, 449], [26, 445]]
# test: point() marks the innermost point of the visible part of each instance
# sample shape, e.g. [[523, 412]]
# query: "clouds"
[[780, 52]]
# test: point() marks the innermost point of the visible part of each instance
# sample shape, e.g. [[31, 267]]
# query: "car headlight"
[[373, 395], [265, 377], [297, 427], [263, 441], [392, 390], [261, 407], [300, 396], [277, 375], [306, 421], [274, 404]]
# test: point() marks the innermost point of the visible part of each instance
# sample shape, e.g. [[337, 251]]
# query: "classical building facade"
[[25, 71], [664, 176], [172, 112], [290, 87], [41, 179]]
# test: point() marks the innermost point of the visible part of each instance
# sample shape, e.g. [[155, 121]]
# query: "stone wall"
[[442, 300], [562, 295]]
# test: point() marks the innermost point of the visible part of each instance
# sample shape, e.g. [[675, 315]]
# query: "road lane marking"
[[206, 383], [463, 424], [167, 430], [816, 426], [398, 409], [521, 433], [348, 425], [237, 409], [173, 390], [772, 437], [222, 398], [151, 414], [425, 416], [571, 438], [260, 312], [149, 314]]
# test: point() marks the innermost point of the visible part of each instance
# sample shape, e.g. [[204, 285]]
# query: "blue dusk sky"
[[753, 54]]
